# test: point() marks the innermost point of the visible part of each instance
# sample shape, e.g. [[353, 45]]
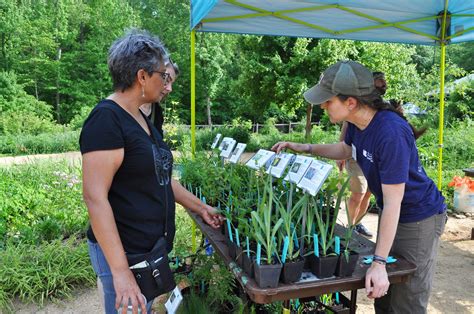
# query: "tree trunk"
[[58, 109], [209, 119], [4, 52], [309, 111]]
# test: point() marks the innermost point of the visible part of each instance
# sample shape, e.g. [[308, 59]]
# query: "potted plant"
[[292, 260], [348, 259], [323, 261], [267, 268]]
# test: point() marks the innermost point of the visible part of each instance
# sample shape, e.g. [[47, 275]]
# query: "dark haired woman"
[[383, 144]]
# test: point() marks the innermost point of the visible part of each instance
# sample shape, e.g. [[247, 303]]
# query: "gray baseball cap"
[[348, 78]]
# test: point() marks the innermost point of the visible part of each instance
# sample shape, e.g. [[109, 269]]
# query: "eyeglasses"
[[166, 77]]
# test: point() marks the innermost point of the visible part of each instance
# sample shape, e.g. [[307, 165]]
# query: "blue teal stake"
[[259, 252], [237, 240], [337, 244], [204, 200], [337, 297], [200, 193], [230, 231], [248, 247], [316, 244], [285, 249]]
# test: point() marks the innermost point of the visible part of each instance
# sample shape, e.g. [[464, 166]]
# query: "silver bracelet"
[[309, 150]]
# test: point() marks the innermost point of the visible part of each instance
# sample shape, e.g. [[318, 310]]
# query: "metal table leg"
[[353, 301]]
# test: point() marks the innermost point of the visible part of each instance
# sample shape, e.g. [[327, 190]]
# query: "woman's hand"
[[376, 281], [297, 147], [211, 216], [127, 290]]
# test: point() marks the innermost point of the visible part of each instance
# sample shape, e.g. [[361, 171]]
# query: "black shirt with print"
[[140, 194]]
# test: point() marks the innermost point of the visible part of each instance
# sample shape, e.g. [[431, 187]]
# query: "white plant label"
[[224, 141], [174, 301], [228, 147], [238, 150], [314, 177], [279, 164], [298, 168], [260, 159], [216, 141]]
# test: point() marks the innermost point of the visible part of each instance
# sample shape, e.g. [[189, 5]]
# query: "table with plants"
[[281, 242]]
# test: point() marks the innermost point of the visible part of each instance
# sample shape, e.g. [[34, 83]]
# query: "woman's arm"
[[188, 200], [376, 280], [335, 151], [98, 170]]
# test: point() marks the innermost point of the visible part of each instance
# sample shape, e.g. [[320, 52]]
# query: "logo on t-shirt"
[[368, 155]]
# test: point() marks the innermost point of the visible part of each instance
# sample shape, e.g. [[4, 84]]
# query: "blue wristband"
[[380, 259]]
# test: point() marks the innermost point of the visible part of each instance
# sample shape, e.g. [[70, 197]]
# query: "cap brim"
[[317, 95]]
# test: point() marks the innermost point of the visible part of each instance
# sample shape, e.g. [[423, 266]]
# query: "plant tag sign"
[[314, 177], [260, 159], [229, 144], [298, 168], [224, 141], [216, 140], [235, 156], [174, 301], [279, 164]]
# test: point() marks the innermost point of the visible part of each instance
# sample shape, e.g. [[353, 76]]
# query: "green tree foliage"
[[58, 51], [21, 113]]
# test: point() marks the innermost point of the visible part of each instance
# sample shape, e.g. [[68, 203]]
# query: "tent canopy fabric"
[[400, 21]]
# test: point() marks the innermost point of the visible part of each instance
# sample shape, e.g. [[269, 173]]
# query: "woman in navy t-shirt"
[[383, 144], [126, 167]]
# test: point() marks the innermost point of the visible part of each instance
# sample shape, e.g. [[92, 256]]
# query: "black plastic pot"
[[324, 266], [239, 252], [267, 276], [291, 271], [247, 265], [232, 250], [345, 267]]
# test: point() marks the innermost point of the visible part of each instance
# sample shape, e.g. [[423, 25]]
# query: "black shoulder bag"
[[152, 270]]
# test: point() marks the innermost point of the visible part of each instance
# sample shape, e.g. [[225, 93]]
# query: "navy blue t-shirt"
[[387, 154], [141, 195]]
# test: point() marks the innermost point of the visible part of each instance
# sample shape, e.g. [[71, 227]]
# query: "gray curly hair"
[[137, 49]]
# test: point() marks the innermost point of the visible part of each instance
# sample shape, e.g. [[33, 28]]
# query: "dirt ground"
[[453, 287]]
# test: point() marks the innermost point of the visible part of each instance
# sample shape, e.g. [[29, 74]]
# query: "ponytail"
[[375, 101]]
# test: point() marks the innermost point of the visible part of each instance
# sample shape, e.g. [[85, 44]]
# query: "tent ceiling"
[[402, 21]]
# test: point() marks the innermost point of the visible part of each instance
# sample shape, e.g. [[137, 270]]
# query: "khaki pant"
[[418, 243]]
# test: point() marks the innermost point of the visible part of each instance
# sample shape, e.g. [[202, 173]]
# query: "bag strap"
[[154, 135]]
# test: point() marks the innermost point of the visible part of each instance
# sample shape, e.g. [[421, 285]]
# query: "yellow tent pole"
[[441, 114], [193, 118], [441, 94]]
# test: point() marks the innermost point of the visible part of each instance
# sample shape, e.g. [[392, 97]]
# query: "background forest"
[[53, 66]]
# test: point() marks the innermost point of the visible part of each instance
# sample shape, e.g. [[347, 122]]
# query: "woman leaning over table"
[[129, 192], [383, 144]]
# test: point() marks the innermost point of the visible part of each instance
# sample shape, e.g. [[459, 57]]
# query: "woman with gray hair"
[[127, 184]]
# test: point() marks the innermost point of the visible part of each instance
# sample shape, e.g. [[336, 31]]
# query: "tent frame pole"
[[441, 95], [193, 120]]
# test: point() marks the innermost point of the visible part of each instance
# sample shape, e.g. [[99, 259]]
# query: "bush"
[[47, 271], [45, 143], [40, 202], [21, 113]]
